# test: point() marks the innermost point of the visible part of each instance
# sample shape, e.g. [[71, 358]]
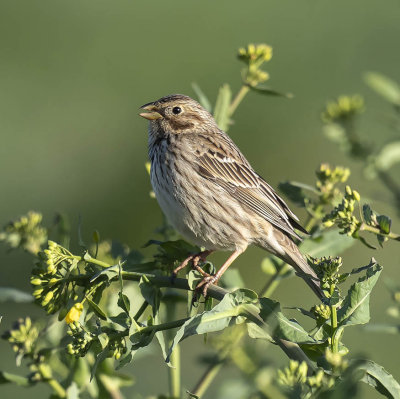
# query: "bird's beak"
[[153, 114]]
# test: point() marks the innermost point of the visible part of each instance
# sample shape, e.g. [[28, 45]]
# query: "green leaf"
[[96, 309], [99, 358], [109, 272], [14, 295], [216, 319], [72, 391], [270, 92], [203, 99], [103, 339], [384, 223], [280, 326], [330, 243], [14, 378], [257, 332], [355, 306], [294, 191], [388, 156], [368, 214], [152, 295], [384, 86], [221, 110], [380, 379]]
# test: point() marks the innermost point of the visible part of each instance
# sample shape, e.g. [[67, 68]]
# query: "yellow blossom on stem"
[[74, 313]]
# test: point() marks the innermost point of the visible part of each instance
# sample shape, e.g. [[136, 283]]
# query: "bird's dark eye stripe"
[[177, 110]]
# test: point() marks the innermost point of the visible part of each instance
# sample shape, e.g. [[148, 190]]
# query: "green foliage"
[[112, 303]]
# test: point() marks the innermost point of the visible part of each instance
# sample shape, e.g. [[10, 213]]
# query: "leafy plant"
[[107, 303]]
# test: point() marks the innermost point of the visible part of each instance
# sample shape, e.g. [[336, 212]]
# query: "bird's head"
[[178, 114]]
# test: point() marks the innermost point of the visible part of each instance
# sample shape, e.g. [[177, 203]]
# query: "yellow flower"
[[74, 313]]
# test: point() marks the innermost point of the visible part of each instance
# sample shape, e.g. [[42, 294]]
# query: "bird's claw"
[[205, 284]]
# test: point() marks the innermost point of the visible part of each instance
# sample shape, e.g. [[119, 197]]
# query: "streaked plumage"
[[209, 191]]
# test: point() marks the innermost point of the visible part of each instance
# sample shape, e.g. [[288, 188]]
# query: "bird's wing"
[[224, 164]]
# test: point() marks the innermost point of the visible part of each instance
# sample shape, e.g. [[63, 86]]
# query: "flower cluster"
[[336, 361], [327, 269], [342, 215], [328, 179], [49, 277], [81, 340], [322, 313], [117, 348], [23, 337], [343, 108], [294, 377], [294, 374], [255, 53], [27, 232], [254, 56]]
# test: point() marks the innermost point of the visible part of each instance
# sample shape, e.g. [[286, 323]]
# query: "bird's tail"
[[285, 248], [303, 269]]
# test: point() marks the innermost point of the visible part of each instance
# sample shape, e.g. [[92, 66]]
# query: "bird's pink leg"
[[208, 280], [195, 258]]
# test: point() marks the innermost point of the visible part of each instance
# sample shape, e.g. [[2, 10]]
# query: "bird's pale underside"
[[211, 194]]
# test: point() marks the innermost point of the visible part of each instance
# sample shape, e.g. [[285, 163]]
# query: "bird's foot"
[[205, 284], [195, 259]]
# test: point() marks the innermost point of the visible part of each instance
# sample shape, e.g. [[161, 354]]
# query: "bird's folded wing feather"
[[228, 168]]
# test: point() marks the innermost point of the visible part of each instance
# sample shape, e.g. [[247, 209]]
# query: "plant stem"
[[58, 389], [175, 373], [334, 340], [207, 378], [375, 230], [238, 99]]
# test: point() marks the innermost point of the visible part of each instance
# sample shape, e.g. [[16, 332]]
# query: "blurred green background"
[[73, 74]]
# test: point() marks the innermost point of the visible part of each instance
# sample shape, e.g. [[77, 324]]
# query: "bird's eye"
[[177, 110]]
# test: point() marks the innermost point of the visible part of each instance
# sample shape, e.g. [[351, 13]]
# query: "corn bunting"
[[210, 193]]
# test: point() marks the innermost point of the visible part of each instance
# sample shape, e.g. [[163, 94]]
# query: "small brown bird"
[[210, 193]]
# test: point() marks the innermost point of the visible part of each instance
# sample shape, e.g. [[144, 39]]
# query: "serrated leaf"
[[384, 86], [377, 377], [216, 319], [279, 325], [221, 110], [8, 294], [355, 306]]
